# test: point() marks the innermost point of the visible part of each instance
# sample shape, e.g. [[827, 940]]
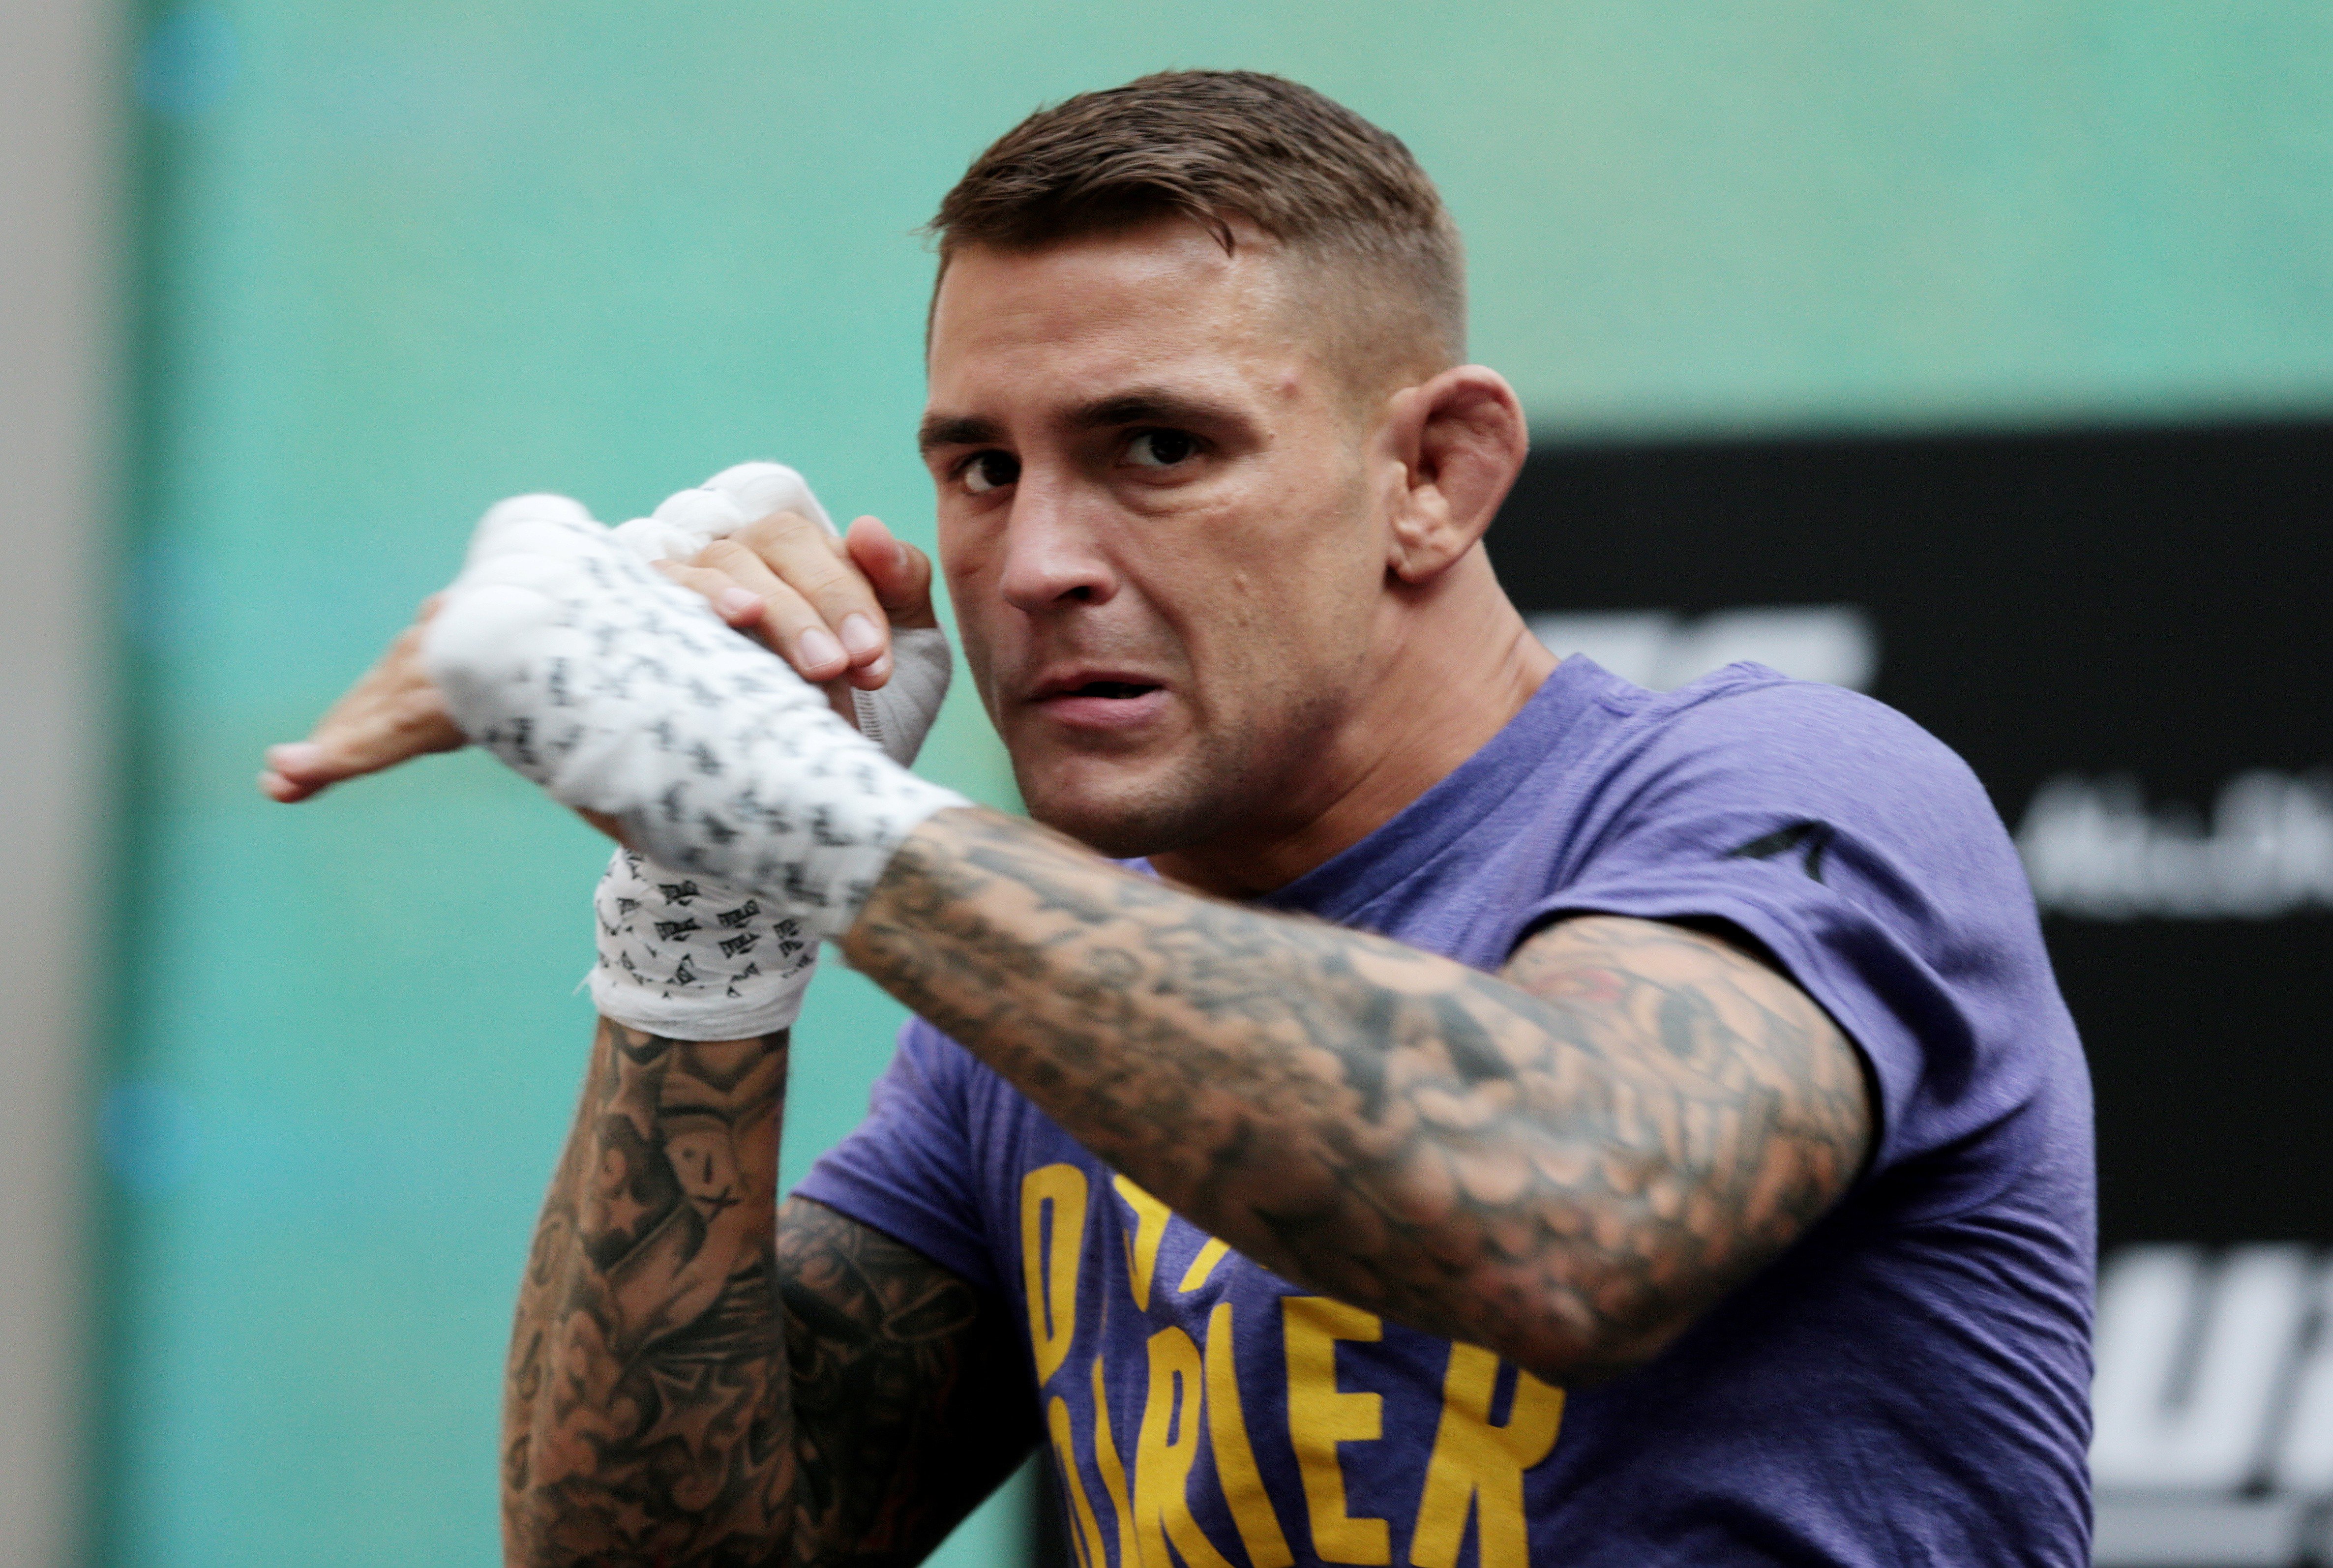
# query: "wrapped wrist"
[[693, 959]]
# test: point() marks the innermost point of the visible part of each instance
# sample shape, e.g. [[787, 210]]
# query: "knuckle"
[[830, 580], [780, 525]]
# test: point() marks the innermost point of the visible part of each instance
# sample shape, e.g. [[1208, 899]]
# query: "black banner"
[[2128, 636]]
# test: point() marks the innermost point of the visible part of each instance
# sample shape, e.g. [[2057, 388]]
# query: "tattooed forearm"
[[1567, 1163], [645, 1415], [694, 1380], [911, 1400]]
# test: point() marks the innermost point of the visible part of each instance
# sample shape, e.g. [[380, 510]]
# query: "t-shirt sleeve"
[[908, 1170], [1865, 857]]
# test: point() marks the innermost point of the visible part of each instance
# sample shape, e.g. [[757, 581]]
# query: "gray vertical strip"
[[59, 137]]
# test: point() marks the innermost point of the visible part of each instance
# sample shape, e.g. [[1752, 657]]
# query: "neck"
[[1455, 663]]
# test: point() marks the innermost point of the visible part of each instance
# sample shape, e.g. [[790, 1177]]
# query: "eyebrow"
[[1146, 406], [1137, 405], [939, 430]]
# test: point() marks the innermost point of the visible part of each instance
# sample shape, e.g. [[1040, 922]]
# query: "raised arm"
[[1566, 1162], [697, 1379], [694, 1378]]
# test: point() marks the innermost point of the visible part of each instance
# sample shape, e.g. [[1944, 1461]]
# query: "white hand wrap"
[[687, 957], [693, 959], [898, 715], [620, 692]]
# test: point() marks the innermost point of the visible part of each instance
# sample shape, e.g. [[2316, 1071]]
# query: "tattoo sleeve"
[[1568, 1162], [694, 1380]]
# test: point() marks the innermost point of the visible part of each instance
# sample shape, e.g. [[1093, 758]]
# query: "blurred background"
[[1974, 353]]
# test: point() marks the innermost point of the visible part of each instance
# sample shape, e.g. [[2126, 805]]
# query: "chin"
[[1120, 812]]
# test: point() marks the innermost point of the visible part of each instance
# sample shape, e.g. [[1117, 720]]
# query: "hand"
[[755, 543], [827, 606], [393, 715], [621, 693], [780, 579]]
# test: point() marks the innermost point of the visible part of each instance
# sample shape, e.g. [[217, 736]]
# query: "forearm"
[[1520, 1167], [647, 1414], [697, 1381]]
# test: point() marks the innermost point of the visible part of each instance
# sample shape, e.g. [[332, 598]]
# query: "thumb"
[[899, 573]]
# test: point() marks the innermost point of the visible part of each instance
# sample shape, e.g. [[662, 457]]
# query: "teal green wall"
[[403, 258]]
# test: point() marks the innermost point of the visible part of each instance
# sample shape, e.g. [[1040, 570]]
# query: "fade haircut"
[[1221, 146]]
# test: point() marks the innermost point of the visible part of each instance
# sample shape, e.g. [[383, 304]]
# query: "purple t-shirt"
[[1907, 1384]]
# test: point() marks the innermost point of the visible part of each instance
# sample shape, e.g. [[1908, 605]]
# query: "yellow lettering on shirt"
[[1320, 1416], [1049, 1264], [1203, 1265], [1086, 1533], [1163, 1453], [1479, 1466], [1150, 1217], [1242, 1484], [1113, 1473]]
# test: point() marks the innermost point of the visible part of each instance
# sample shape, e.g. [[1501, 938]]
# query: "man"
[[1513, 1116]]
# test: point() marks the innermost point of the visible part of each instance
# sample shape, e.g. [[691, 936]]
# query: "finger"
[[740, 607], [276, 786], [790, 622], [365, 732], [300, 769], [813, 563], [899, 573], [392, 714], [751, 597]]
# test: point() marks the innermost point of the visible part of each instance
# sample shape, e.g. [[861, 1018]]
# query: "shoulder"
[[1749, 770], [1864, 856], [1747, 732], [1750, 706]]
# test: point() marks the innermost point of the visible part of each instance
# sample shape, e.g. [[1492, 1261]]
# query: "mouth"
[[1117, 700]]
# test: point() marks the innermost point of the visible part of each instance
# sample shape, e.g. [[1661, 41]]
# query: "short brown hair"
[[1216, 146]]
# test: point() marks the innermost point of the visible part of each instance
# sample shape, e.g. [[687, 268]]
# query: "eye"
[[986, 471], [1160, 448]]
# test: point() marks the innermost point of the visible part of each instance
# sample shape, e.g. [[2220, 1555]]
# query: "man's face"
[[1159, 525]]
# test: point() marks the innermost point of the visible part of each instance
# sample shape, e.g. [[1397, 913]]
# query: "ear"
[[1460, 439]]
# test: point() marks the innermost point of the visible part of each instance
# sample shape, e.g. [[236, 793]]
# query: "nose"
[[1052, 556]]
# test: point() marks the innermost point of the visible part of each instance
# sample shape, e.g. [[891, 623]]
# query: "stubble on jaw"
[[1237, 779], [1153, 816]]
